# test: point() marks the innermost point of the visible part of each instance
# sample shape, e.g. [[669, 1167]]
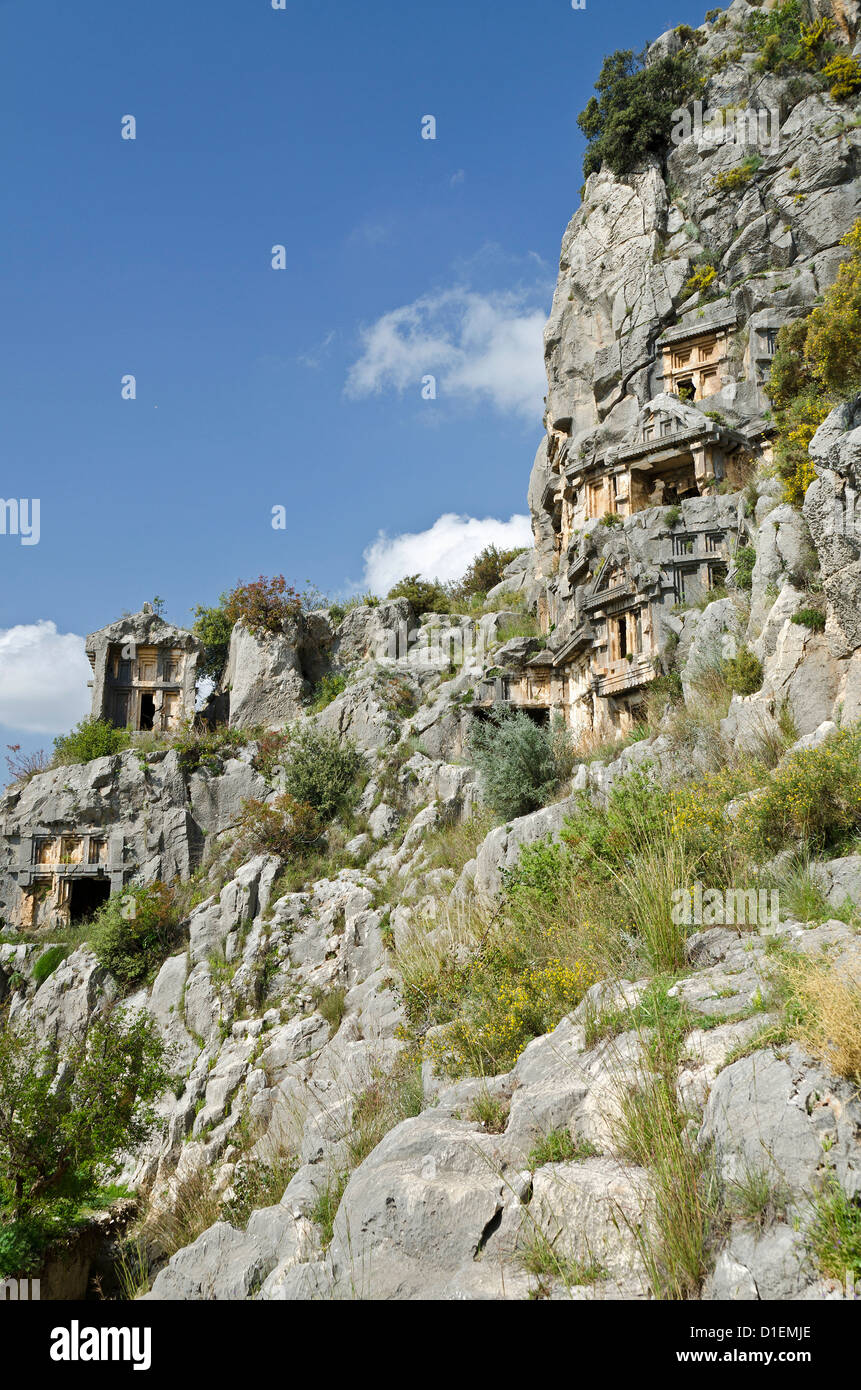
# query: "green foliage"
[[48, 962], [325, 1209], [672, 516], [733, 180], [559, 1147], [812, 800], [835, 1235], [757, 1197], [322, 771], [327, 690], [744, 672], [135, 931], [490, 1111], [515, 762], [389, 1097], [700, 280], [784, 42], [283, 826], [744, 560], [425, 595], [631, 117], [92, 738], [208, 748], [65, 1118], [483, 574], [213, 627], [813, 618], [397, 694], [611, 519], [817, 364], [332, 1005]]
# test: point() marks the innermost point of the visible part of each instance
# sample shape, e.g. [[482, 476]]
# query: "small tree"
[[65, 1117], [516, 762], [264, 605], [631, 117], [425, 595], [483, 574], [213, 628], [321, 770]]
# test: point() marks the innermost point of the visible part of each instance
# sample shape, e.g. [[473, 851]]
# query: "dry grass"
[[829, 1014], [193, 1211], [454, 844]]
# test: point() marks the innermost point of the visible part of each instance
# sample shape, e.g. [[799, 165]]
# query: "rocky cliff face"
[[629, 328], [314, 1147]]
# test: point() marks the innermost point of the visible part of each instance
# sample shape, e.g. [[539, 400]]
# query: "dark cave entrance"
[[147, 713], [86, 895]]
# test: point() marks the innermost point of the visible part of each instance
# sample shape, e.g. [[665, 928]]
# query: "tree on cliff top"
[[632, 115]]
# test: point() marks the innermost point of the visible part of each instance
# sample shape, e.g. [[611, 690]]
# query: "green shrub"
[[817, 364], [328, 689], [322, 771], [631, 118], [283, 826], [732, 180], [213, 627], [559, 1147], [135, 931], [813, 798], [425, 595], [332, 1004], [325, 1209], [844, 74], [263, 605], [208, 748], [744, 672], [483, 574], [784, 42], [92, 738], [48, 962], [700, 280], [398, 695], [515, 762], [813, 618], [744, 560]]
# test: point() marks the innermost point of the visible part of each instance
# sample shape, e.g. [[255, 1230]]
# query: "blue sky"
[[257, 387]]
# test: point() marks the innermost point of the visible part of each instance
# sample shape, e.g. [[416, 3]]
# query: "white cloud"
[[43, 678], [457, 178], [481, 347], [442, 552]]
